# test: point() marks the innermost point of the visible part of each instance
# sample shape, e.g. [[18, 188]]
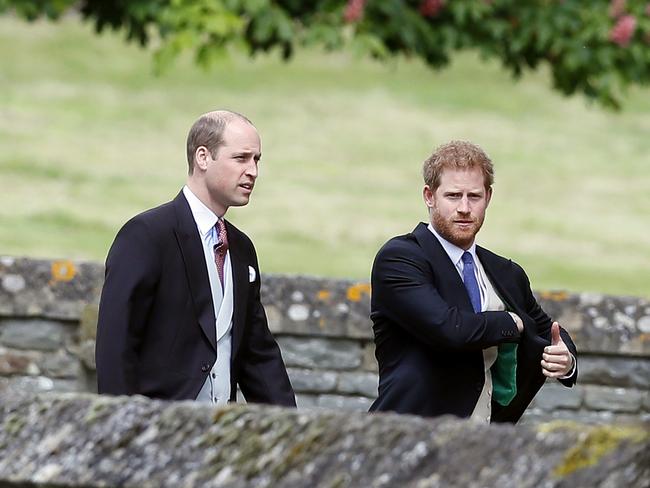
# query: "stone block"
[[557, 304], [305, 400], [611, 371], [612, 324], [35, 334], [85, 352], [18, 362], [347, 403], [56, 289], [369, 361], [310, 380], [613, 399], [38, 384], [274, 318], [87, 380], [60, 364], [320, 353], [359, 383], [88, 322], [554, 395], [534, 416], [310, 306]]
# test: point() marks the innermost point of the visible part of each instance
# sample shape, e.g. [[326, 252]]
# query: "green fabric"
[[504, 374]]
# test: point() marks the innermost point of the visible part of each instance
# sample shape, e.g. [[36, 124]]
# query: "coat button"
[[205, 367]]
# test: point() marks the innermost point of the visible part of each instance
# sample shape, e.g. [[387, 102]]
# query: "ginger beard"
[[459, 229], [457, 206]]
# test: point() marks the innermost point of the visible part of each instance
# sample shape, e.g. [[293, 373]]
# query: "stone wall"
[[82, 440], [48, 317]]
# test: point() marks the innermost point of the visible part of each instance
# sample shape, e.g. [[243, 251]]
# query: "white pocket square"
[[251, 274]]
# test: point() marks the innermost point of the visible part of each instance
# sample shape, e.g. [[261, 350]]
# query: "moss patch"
[[14, 424], [593, 444]]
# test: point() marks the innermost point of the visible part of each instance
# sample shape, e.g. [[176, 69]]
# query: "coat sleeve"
[[403, 288], [262, 374], [129, 286], [543, 324]]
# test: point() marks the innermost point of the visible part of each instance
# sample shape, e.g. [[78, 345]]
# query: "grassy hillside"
[[89, 137]]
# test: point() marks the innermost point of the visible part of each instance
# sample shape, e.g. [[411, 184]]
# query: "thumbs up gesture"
[[557, 361]]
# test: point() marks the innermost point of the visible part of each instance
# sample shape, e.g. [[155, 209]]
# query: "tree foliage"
[[597, 48]]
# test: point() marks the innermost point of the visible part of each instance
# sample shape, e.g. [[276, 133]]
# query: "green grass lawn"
[[89, 137]]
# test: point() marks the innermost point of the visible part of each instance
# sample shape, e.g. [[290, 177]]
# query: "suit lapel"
[[529, 350], [239, 263], [191, 248], [454, 292], [501, 277], [497, 276]]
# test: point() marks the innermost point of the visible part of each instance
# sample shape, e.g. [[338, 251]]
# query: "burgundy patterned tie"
[[221, 249]]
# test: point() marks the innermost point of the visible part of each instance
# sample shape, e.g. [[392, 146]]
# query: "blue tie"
[[469, 278]]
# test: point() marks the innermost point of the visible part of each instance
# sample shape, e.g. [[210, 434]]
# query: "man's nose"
[[251, 169], [463, 206]]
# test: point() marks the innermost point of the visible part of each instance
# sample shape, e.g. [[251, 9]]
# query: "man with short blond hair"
[[457, 328], [180, 315]]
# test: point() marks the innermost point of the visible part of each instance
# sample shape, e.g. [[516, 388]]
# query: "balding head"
[[208, 131]]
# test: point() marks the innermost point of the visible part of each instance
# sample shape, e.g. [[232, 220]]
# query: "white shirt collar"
[[204, 217], [453, 251]]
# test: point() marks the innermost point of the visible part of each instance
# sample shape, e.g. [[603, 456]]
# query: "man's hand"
[[518, 321], [557, 360]]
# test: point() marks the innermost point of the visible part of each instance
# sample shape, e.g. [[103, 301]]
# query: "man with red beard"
[[457, 328]]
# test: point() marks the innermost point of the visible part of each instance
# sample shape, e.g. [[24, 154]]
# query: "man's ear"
[[488, 196], [427, 194], [202, 158]]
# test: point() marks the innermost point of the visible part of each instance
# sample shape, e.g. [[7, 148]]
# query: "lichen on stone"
[[593, 443], [14, 424]]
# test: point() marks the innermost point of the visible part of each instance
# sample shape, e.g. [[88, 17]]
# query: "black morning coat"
[[156, 331]]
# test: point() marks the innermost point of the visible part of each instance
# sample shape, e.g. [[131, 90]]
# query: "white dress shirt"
[[216, 388]]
